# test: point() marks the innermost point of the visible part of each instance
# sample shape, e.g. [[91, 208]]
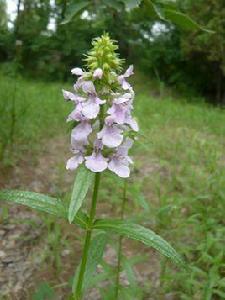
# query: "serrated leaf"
[[94, 258], [74, 9], [142, 234], [131, 4], [82, 183], [41, 202]]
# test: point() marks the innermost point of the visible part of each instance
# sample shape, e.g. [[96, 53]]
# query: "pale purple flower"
[[88, 87], [72, 97], [76, 114], [129, 71], [119, 163], [110, 135], [120, 112], [96, 162], [120, 108], [98, 73], [91, 107], [77, 71], [78, 150], [78, 83], [122, 78], [81, 131], [75, 161], [117, 123], [132, 122]]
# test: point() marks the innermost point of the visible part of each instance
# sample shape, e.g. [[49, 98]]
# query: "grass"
[[30, 112], [178, 183]]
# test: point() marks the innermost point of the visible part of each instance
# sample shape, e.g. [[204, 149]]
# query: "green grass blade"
[[142, 234], [82, 183]]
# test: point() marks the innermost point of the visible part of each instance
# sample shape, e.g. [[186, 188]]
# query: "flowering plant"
[[103, 102], [103, 133]]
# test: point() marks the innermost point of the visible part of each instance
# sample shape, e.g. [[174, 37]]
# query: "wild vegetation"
[[177, 183], [177, 188]]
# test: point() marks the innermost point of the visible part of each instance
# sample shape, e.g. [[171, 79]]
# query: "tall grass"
[[30, 112]]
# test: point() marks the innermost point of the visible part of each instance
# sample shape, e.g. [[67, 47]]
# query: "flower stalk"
[[119, 260], [78, 292]]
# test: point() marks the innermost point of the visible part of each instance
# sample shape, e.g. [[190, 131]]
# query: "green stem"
[[120, 242], [78, 293]]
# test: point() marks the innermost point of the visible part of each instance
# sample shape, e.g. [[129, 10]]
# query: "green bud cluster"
[[103, 55]]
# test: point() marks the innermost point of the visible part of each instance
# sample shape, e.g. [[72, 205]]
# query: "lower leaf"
[[41, 202], [142, 234]]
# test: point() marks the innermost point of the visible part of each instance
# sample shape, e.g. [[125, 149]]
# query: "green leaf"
[[82, 183], [150, 9], [142, 234], [41, 203], [131, 4], [37, 201], [182, 20], [74, 9], [94, 258]]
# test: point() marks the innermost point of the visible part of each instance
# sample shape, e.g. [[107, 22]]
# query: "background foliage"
[[178, 183], [146, 31]]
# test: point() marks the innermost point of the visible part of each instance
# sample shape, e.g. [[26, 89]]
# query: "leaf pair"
[[56, 207]]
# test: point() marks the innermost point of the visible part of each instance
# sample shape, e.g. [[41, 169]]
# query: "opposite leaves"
[[142, 234]]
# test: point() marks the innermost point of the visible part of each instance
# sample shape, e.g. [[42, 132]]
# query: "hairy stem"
[[120, 242], [78, 292]]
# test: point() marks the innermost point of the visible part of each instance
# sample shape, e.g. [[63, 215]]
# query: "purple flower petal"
[[73, 97], [96, 162], [111, 136], [81, 131], [125, 85], [121, 79], [77, 71], [125, 147], [76, 114], [74, 161], [133, 124], [78, 83], [98, 73], [129, 71], [118, 113], [90, 110], [88, 87], [123, 99], [119, 167]]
